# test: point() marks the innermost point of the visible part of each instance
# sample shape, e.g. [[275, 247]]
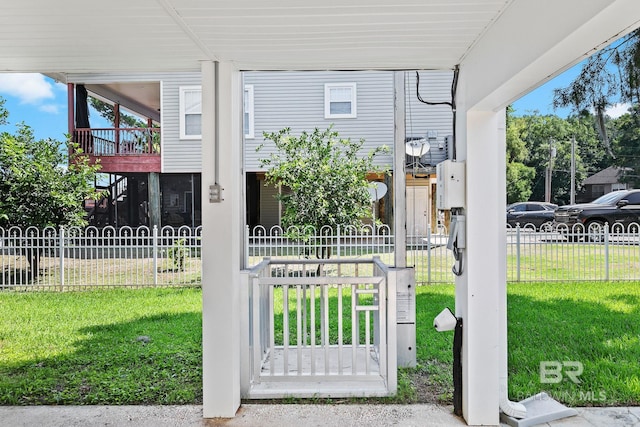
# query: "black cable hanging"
[[452, 104]]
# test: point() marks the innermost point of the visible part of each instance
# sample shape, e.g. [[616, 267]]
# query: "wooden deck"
[[130, 163]]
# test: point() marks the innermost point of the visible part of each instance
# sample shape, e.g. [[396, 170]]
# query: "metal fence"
[[77, 258], [427, 254], [561, 254]]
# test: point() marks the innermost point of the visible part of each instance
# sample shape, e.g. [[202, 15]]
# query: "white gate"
[[321, 328]]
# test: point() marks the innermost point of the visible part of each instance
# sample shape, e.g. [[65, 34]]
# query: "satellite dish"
[[417, 147], [378, 191]]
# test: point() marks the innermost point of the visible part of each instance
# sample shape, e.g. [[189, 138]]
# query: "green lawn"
[[101, 347], [595, 324], [144, 346]]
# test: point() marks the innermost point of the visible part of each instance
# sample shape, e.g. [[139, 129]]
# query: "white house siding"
[[296, 100], [178, 156]]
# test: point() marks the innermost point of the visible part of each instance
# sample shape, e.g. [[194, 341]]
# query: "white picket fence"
[[77, 258]]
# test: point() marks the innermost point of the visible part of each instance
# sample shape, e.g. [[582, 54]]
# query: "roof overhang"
[[504, 47]]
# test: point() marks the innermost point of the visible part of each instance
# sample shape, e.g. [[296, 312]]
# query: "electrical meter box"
[[450, 189]]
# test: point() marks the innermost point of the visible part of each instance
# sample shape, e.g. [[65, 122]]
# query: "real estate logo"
[[553, 371]]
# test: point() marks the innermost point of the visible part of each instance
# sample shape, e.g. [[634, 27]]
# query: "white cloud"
[[49, 108], [29, 88], [617, 110]]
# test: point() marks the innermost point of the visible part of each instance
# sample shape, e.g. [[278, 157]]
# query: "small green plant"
[[178, 254]]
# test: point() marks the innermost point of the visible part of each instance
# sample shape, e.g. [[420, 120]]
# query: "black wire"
[[452, 104]]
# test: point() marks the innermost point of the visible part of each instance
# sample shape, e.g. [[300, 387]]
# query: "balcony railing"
[[119, 141]]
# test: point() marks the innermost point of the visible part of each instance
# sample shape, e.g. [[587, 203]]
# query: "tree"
[[327, 179], [627, 146], [42, 183], [519, 176], [544, 135], [610, 76]]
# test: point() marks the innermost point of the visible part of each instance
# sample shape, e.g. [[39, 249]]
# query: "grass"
[[595, 324], [101, 347], [144, 346]]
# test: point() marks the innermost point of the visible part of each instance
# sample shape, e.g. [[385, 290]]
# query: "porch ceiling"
[[175, 35]]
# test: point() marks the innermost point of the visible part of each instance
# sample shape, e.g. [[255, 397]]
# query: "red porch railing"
[[119, 141]]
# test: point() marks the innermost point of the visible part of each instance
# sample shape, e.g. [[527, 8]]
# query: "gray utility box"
[[406, 316]]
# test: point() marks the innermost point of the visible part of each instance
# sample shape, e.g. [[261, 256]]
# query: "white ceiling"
[[161, 35], [508, 45]]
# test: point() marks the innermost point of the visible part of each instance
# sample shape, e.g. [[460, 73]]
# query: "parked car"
[[530, 214], [619, 209]]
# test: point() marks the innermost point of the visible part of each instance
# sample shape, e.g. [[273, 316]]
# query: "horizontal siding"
[[296, 100], [179, 156]]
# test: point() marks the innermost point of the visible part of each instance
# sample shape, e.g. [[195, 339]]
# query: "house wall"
[[296, 100], [178, 155]]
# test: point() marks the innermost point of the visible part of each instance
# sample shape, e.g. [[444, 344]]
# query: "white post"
[[61, 244], [478, 289], [155, 255], [572, 194], [221, 239], [399, 177]]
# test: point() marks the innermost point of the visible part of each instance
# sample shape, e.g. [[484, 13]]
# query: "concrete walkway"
[[267, 415]]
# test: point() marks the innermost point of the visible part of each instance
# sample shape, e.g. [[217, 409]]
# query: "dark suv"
[[618, 207]]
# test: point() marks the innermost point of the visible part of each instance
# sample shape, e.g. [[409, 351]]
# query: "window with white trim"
[[340, 101], [191, 112], [247, 116]]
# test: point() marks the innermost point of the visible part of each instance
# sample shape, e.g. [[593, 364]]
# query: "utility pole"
[[549, 172], [572, 194]]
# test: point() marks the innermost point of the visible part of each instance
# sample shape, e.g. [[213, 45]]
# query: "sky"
[[41, 103]]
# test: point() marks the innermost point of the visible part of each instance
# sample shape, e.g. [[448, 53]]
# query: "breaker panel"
[[450, 189]]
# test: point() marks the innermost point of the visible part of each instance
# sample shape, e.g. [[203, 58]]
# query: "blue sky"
[[42, 103]]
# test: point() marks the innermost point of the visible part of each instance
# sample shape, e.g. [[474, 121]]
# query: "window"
[[340, 100], [247, 116], [191, 112]]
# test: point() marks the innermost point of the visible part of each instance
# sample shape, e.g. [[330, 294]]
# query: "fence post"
[[517, 252], [155, 255], [606, 251], [338, 241], [246, 246], [61, 245]]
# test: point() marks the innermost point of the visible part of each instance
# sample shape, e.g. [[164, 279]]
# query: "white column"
[[481, 142], [221, 240]]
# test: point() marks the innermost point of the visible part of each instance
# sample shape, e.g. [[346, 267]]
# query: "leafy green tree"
[[610, 76], [107, 111], [42, 182], [547, 135], [627, 146], [519, 176], [327, 179]]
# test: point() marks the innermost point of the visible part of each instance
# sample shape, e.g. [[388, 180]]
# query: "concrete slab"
[[255, 415], [281, 415]]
